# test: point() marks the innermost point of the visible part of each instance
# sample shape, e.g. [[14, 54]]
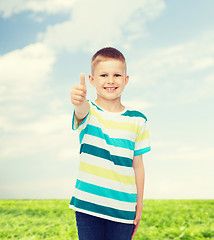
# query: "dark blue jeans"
[[95, 228]]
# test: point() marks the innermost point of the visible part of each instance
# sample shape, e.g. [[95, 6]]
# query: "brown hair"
[[106, 53]]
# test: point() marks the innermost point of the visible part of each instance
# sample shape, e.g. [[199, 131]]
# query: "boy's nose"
[[111, 80]]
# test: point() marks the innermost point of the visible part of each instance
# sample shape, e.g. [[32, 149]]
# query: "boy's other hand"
[[78, 92], [139, 209]]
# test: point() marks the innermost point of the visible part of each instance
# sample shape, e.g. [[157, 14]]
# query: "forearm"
[[81, 110], [139, 181], [139, 178]]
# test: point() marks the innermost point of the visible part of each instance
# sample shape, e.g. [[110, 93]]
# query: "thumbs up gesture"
[[78, 92]]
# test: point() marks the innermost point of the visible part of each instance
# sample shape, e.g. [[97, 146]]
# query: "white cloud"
[[184, 171], [189, 188], [191, 153], [57, 188], [181, 73], [189, 57], [10, 7], [49, 133], [98, 23], [24, 72], [182, 151], [206, 89]]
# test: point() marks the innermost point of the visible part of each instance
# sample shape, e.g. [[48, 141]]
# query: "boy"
[[108, 196]]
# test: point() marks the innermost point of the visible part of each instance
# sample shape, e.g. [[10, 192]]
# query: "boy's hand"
[[78, 92], [78, 99], [138, 215]]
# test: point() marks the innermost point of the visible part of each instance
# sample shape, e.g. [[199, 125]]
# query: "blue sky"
[[44, 45]]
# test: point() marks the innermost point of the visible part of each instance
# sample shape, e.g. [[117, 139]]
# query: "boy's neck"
[[110, 105]]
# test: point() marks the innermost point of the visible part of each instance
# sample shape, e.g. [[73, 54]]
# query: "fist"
[[78, 92]]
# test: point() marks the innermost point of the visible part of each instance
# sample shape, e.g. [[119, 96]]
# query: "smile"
[[110, 88]]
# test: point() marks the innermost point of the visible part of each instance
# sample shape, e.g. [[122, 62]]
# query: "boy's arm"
[[139, 180], [78, 99]]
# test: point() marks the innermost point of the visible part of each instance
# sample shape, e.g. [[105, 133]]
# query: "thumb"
[[82, 79]]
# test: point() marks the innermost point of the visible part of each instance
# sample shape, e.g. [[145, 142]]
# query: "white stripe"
[[120, 119], [103, 163], [101, 215], [142, 144], [103, 201], [107, 183]]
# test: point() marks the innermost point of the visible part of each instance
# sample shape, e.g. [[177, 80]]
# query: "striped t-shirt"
[[105, 185]]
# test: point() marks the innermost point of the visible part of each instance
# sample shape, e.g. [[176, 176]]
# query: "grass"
[[161, 220]]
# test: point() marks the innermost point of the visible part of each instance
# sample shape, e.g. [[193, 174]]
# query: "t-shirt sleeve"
[[83, 124], [142, 141]]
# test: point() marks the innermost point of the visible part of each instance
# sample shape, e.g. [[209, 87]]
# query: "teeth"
[[110, 88]]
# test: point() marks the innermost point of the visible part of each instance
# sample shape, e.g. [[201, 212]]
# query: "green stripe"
[[134, 114], [97, 132], [142, 151], [105, 192], [92, 207], [102, 153], [97, 107]]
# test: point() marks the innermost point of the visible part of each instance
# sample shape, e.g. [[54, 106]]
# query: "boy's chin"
[[108, 98]]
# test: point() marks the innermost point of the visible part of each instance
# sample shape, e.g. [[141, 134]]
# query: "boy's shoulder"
[[129, 112], [134, 113], [94, 105]]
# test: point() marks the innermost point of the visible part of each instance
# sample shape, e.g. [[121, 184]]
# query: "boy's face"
[[109, 78]]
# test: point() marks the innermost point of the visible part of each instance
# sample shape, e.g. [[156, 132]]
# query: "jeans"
[[95, 228]]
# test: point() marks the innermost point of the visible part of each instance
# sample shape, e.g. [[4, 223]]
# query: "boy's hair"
[[106, 53]]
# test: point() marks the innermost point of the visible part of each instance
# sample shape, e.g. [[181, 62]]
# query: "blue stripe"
[[142, 151], [97, 106], [134, 113], [103, 153], [108, 211], [105, 192], [97, 132]]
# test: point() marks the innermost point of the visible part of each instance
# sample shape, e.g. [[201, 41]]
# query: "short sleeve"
[[82, 125], [142, 141]]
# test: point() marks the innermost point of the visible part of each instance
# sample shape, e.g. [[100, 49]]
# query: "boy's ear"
[[91, 80], [126, 79]]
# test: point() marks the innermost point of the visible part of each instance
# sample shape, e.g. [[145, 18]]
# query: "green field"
[[161, 220]]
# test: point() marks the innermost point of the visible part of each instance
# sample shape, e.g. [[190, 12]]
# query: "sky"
[[169, 49]]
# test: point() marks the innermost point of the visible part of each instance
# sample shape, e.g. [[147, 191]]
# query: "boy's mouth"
[[110, 89]]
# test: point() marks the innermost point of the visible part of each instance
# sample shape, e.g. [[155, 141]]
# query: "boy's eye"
[[117, 75], [103, 75]]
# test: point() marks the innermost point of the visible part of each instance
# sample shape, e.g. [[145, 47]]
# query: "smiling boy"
[[108, 197]]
